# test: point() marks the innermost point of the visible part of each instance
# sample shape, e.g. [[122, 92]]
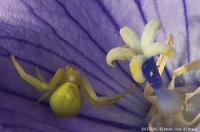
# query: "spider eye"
[[73, 74], [72, 70]]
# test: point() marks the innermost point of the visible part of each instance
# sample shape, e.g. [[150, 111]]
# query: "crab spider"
[[65, 89], [178, 97], [137, 51]]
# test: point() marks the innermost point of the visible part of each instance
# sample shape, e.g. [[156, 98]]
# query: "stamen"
[[175, 107], [148, 90], [192, 123], [182, 70], [190, 95], [187, 67]]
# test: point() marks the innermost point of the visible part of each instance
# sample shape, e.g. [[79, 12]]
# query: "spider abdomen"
[[66, 100]]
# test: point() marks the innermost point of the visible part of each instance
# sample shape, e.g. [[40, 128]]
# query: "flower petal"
[[51, 34], [19, 114]]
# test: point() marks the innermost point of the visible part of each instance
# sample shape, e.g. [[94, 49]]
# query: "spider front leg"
[[55, 80], [94, 99], [52, 84], [39, 75], [41, 86]]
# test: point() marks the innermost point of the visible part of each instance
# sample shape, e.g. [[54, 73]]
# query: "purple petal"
[[51, 34]]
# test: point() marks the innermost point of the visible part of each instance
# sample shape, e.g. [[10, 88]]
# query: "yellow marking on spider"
[[65, 89]]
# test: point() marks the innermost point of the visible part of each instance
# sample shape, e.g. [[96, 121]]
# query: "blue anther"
[[151, 73]]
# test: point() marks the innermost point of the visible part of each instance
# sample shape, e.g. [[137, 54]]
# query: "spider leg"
[[41, 86], [46, 94], [94, 99], [52, 84], [182, 70], [39, 74], [148, 90], [56, 77]]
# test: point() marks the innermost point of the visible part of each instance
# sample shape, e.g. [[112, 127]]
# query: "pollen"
[[168, 52]]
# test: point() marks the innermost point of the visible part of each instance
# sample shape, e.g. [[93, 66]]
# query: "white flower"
[[137, 51]]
